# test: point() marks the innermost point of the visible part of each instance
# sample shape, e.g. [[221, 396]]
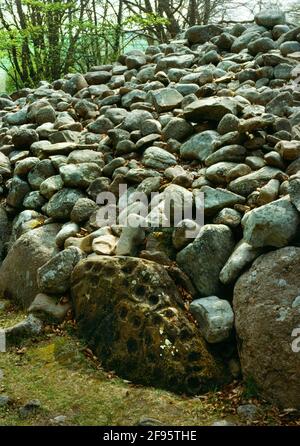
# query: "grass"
[[8, 315], [63, 374]]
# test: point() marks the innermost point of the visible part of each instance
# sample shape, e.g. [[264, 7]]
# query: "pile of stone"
[[216, 114]]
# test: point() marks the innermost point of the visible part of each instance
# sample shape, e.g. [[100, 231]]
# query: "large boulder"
[[242, 256], [200, 145], [166, 99], [5, 168], [204, 259], [18, 189], [217, 199], [212, 109], [158, 158], [261, 45], [242, 42], [130, 312], [179, 61], [202, 33], [4, 231], [62, 203], [274, 224], [246, 184], [267, 307], [270, 18], [215, 318], [18, 272], [76, 83], [54, 277]]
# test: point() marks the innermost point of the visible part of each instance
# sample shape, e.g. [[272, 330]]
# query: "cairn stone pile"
[[215, 114]]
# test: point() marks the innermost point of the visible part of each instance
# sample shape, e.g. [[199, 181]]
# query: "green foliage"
[[145, 20], [44, 40], [50, 7], [11, 81]]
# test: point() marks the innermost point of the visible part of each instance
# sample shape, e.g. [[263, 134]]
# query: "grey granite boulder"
[[274, 224], [203, 259], [266, 306], [18, 272], [213, 109], [199, 146], [55, 275], [215, 318], [270, 18]]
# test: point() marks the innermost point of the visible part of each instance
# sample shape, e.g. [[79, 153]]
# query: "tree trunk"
[[207, 11], [28, 73], [192, 12], [118, 34]]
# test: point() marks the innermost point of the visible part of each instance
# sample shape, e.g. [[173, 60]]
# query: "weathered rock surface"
[[54, 277], [138, 325], [18, 273], [266, 306], [215, 318], [29, 327], [274, 224], [218, 199], [294, 191], [270, 18], [241, 257], [246, 184], [49, 309], [199, 146], [62, 203], [166, 99], [213, 109], [157, 158], [203, 259], [4, 231], [202, 33], [213, 113]]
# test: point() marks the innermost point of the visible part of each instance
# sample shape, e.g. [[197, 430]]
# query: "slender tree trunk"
[[192, 12], [118, 35], [28, 72], [53, 19], [207, 11]]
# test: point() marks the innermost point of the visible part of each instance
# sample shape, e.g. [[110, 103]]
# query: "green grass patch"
[[59, 371]]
